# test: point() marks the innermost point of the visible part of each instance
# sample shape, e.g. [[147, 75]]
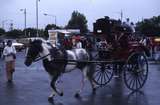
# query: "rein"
[[40, 58]]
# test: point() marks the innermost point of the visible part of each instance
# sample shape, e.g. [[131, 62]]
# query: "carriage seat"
[[105, 52]]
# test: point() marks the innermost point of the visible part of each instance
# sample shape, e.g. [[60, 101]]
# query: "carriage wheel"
[[103, 73], [136, 71]]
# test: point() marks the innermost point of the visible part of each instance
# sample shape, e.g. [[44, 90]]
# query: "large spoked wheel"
[[103, 73], [136, 71]]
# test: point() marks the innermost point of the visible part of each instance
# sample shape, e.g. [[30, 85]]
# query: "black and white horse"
[[56, 62]]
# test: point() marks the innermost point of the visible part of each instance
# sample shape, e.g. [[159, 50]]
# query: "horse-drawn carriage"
[[123, 55]]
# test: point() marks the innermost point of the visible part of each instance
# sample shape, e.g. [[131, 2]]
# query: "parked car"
[[18, 46]]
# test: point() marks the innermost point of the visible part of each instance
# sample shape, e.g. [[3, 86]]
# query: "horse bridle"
[[38, 58]]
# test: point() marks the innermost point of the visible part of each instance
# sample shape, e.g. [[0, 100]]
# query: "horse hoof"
[[61, 94], [50, 99], [77, 95], [94, 91]]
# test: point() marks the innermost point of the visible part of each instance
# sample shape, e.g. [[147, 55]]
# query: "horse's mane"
[[36, 41], [39, 41], [36, 44]]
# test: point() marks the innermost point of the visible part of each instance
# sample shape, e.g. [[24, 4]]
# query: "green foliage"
[[78, 21], [15, 33], [2, 31], [31, 32], [41, 33], [149, 26]]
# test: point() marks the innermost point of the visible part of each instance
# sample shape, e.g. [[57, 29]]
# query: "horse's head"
[[34, 49]]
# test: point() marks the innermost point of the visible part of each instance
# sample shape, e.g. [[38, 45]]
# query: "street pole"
[[121, 15], [37, 16], [25, 22], [55, 20]]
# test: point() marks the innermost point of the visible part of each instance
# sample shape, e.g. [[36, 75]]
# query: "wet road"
[[31, 87]]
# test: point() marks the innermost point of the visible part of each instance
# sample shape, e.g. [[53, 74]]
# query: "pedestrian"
[[78, 43], [127, 22], [132, 27], [9, 54], [2, 45]]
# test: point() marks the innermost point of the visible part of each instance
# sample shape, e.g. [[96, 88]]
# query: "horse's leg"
[[52, 84], [84, 78], [90, 77], [55, 91]]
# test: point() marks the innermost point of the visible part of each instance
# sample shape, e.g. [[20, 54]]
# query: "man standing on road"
[[9, 54]]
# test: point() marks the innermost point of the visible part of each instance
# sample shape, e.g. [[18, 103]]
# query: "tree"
[[2, 31], [78, 21], [49, 27], [31, 32], [15, 33], [149, 26]]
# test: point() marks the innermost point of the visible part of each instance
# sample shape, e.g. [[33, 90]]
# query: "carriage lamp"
[[157, 39]]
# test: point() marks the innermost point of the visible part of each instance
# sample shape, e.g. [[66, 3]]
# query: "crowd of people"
[[76, 42]]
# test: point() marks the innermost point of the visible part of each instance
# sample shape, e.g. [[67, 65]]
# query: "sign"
[[52, 36]]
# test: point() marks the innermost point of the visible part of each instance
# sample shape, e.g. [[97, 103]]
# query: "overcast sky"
[[92, 9]]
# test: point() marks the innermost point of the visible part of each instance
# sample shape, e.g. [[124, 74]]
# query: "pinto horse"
[[57, 61]]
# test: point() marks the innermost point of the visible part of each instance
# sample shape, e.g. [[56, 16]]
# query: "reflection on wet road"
[[31, 87]]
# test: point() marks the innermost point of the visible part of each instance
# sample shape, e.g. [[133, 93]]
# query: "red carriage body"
[[120, 37]]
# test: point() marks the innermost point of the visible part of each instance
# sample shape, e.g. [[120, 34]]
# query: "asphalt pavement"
[[31, 87]]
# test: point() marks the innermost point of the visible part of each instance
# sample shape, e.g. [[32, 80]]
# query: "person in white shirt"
[[78, 44], [9, 54]]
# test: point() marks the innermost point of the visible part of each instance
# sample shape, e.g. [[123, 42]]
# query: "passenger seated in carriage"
[[104, 48], [76, 43], [122, 35], [104, 45]]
